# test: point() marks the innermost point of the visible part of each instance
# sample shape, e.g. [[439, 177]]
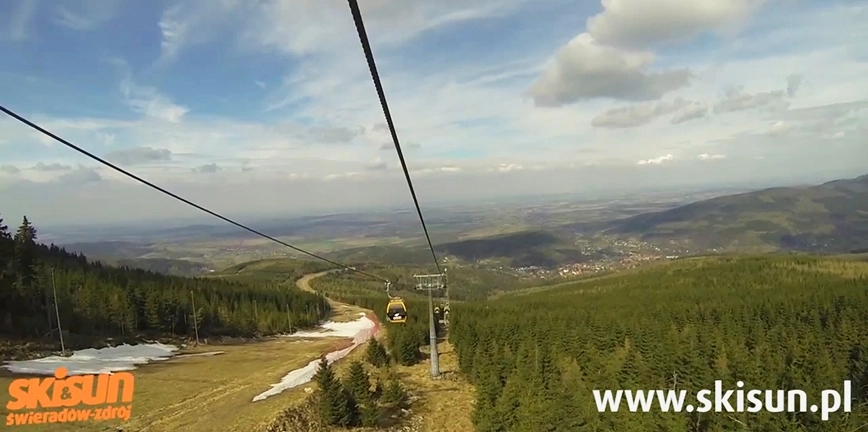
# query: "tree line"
[[467, 282], [770, 322], [93, 299]]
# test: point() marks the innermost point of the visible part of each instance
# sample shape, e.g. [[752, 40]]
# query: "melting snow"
[[335, 329], [360, 330], [94, 361]]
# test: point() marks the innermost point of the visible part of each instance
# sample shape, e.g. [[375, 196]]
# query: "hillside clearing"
[[444, 405]]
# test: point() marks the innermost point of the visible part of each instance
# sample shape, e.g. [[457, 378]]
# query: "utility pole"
[[430, 283], [57, 314], [195, 318]]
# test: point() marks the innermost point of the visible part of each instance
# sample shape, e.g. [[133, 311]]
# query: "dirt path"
[[304, 283], [341, 312]]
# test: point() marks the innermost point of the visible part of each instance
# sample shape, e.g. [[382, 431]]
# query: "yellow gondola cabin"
[[396, 311]]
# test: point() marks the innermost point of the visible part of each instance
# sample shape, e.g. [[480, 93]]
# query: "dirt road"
[[304, 283], [341, 312]]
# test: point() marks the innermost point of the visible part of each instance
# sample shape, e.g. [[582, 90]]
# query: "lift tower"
[[432, 283]]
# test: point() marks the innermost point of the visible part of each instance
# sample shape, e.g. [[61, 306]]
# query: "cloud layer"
[[268, 106]]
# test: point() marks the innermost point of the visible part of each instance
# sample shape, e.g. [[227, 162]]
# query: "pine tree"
[[25, 253], [370, 411], [335, 404], [7, 273], [394, 395], [357, 381], [33, 296], [376, 354], [409, 351], [377, 391]]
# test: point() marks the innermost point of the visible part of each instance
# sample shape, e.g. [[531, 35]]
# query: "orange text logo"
[[73, 394]]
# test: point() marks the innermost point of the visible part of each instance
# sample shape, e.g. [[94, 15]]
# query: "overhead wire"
[[179, 198], [369, 55]]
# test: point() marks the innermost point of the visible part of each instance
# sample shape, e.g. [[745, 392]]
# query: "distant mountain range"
[[827, 218], [831, 217]]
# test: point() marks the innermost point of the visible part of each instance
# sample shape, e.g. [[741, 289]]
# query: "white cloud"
[[17, 25], [89, 14], [51, 167], [187, 24], [640, 24], [780, 128], [137, 155], [377, 165], [509, 167], [82, 175], [9, 169], [638, 115], [149, 101], [794, 82], [584, 70], [302, 27], [210, 168], [737, 100], [706, 156], [612, 59], [655, 161], [693, 111]]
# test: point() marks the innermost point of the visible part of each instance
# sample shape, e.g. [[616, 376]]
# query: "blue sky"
[[267, 106]]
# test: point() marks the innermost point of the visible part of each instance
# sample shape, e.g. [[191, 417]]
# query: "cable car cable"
[[366, 46], [184, 200]]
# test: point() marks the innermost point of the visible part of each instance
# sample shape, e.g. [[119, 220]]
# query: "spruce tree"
[[377, 391], [376, 353], [394, 394], [357, 381], [25, 254], [334, 404], [370, 412], [7, 273]]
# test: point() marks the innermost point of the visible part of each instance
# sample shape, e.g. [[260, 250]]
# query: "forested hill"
[[95, 300], [831, 217], [773, 322]]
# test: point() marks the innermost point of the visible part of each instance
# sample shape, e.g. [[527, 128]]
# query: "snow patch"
[[336, 329], [360, 330], [95, 360]]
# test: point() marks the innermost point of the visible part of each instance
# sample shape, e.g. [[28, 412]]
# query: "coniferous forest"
[[98, 300], [772, 322]]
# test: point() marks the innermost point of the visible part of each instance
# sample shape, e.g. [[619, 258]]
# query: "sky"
[[267, 107]]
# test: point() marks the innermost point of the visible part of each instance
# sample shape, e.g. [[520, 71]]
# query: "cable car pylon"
[[431, 283]]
